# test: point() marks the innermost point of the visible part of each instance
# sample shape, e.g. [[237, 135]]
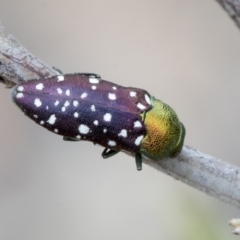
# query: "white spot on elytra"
[[78, 137], [75, 103], [94, 80], [60, 78], [147, 99], [56, 103], [35, 116], [67, 92], [19, 95], [112, 96], [94, 87], [83, 129], [133, 94], [59, 90], [84, 95], [56, 130], [39, 86], [37, 102], [66, 104], [140, 106], [76, 114], [114, 88], [63, 109], [138, 140], [137, 124], [111, 143], [52, 119], [42, 122], [107, 117], [123, 133], [20, 88], [104, 130], [95, 122], [93, 108]]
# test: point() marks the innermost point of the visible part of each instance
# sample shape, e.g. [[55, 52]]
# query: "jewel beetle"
[[84, 107]]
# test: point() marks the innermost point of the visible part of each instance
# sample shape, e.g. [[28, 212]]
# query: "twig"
[[232, 7], [208, 174], [17, 64]]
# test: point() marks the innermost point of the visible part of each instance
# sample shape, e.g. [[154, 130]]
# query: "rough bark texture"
[[17, 64], [206, 173]]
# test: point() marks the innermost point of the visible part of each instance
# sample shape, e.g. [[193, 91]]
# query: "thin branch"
[[232, 7], [208, 174], [17, 64], [212, 176]]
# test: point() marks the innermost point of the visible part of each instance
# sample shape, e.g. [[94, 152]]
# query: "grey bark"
[[232, 7]]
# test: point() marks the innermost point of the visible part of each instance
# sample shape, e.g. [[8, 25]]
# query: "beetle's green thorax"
[[165, 133]]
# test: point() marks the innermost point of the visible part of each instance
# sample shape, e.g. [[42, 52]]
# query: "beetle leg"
[[138, 159], [58, 70], [90, 75], [108, 153], [70, 139]]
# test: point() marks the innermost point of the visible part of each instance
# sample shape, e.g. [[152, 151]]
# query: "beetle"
[[82, 106]]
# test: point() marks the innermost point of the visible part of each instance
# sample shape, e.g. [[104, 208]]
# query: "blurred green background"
[[186, 53]]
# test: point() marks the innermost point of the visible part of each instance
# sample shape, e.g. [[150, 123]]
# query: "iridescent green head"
[[165, 133]]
